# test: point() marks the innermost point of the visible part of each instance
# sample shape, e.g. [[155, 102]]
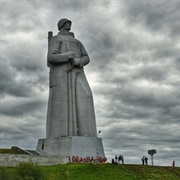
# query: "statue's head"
[[62, 22]]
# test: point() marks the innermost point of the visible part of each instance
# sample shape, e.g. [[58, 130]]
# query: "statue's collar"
[[66, 33]]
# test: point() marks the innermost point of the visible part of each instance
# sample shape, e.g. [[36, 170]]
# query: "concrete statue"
[[71, 124], [70, 108]]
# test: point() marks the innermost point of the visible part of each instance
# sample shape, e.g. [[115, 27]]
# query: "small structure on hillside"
[[151, 153]]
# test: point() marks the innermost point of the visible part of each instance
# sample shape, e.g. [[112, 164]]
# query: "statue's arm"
[[54, 56], [84, 56]]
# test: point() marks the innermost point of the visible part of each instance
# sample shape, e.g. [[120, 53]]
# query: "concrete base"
[[71, 146], [11, 160]]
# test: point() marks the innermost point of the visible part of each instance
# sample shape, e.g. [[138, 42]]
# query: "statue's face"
[[67, 26]]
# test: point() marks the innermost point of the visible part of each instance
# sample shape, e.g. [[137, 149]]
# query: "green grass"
[[9, 151], [101, 172]]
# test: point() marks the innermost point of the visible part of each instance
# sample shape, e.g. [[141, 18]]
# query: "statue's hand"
[[75, 61], [70, 54]]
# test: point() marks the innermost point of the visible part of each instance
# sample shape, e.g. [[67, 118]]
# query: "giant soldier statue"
[[70, 108]]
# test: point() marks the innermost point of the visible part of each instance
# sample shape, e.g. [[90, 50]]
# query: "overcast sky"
[[134, 47]]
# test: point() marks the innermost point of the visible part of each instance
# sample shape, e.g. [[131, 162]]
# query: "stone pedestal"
[[71, 146]]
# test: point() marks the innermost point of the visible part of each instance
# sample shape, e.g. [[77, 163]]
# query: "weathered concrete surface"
[[70, 106], [71, 146], [11, 160]]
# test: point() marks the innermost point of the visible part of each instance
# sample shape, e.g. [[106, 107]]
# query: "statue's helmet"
[[62, 22]]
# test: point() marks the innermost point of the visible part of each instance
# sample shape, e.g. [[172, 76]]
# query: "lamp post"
[[99, 133], [97, 151], [151, 153]]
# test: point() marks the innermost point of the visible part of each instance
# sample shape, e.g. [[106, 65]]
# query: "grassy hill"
[[9, 151], [100, 172]]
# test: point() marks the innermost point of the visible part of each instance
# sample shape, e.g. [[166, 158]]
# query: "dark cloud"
[[22, 133], [157, 15], [23, 107], [19, 18], [9, 83]]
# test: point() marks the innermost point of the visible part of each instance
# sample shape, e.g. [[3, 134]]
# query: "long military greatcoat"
[[70, 106]]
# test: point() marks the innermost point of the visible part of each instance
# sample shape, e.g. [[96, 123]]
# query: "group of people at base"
[[118, 159], [144, 160], [87, 159]]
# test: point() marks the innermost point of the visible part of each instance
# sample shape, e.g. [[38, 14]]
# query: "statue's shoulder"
[[78, 41], [57, 37]]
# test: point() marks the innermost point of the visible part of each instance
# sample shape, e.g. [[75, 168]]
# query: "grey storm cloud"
[[133, 72], [158, 16], [21, 108], [9, 84]]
